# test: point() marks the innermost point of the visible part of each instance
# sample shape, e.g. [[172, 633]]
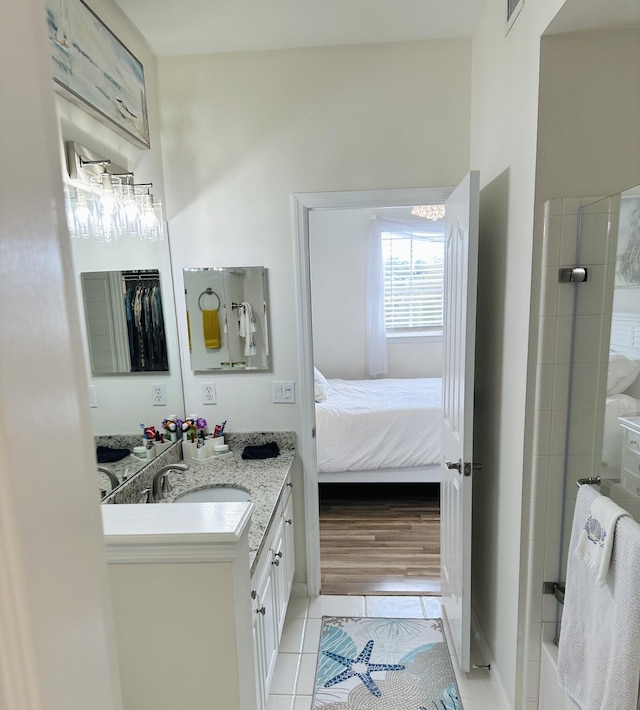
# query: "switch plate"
[[93, 400], [158, 397], [208, 391], [283, 392]]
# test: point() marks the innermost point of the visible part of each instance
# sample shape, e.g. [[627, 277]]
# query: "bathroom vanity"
[[200, 590]]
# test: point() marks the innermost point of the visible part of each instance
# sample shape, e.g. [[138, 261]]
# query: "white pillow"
[[622, 373], [320, 386]]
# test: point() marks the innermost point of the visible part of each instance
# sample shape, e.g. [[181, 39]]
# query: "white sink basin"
[[215, 494]]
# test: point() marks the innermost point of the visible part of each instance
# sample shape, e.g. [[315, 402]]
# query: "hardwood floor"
[[380, 539]]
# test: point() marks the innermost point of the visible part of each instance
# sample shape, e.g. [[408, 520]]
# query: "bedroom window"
[[413, 282]]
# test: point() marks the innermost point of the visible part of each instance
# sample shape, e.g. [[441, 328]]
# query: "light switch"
[[283, 392]]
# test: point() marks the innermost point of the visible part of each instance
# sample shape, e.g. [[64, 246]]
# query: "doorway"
[[303, 205]]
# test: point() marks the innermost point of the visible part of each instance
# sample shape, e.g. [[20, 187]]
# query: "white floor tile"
[[394, 607], [280, 702], [432, 607], [298, 607], [328, 605], [307, 674], [285, 674], [311, 642], [292, 635], [302, 702]]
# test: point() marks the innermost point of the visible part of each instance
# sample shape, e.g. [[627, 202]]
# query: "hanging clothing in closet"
[[145, 323]]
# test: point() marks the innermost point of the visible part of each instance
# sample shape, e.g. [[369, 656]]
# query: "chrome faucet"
[[161, 484], [115, 481]]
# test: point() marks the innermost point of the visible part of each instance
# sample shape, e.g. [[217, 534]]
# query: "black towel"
[[105, 454], [266, 451]]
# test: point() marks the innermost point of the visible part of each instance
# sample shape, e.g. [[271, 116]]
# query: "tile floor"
[[292, 685]]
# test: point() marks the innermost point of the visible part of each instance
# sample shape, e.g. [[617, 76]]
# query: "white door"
[[461, 267]]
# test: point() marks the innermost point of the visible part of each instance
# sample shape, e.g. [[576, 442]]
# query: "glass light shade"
[[432, 212]]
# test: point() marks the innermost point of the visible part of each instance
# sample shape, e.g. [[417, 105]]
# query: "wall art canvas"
[[95, 70], [628, 250]]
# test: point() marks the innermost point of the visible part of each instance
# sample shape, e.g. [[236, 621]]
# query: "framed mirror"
[[125, 321], [227, 318]]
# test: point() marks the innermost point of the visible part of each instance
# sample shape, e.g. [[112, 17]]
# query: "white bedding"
[[373, 424]]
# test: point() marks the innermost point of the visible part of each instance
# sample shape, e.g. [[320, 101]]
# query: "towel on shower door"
[[599, 648], [247, 327], [596, 539], [211, 329]]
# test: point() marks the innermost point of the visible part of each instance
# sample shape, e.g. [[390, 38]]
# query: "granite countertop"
[[263, 479], [123, 469]]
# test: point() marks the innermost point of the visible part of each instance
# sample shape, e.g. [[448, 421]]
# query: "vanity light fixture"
[[104, 202], [432, 212]]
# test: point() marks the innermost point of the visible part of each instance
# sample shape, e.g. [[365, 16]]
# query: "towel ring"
[[209, 292]]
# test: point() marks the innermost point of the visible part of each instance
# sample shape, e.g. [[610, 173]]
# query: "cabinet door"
[[279, 576], [259, 653], [269, 621], [288, 548]]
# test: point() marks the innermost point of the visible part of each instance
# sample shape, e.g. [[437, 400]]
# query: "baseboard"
[[494, 674]]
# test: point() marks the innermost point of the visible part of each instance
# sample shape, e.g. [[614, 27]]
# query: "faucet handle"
[[146, 496]]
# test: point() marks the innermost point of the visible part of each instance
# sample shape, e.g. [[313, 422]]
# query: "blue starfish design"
[[361, 668]]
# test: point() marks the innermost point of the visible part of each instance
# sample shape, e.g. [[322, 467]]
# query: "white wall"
[[570, 160], [338, 242], [503, 147], [125, 401], [56, 634], [242, 132]]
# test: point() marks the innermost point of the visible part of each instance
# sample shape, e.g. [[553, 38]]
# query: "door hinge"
[[469, 467], [573, 275]]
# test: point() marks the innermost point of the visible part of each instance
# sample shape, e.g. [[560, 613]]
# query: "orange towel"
[[211, 329]]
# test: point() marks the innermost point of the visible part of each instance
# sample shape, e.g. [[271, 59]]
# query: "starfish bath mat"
[[384, 664]]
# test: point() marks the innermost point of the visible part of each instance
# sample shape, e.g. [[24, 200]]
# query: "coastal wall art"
[[92, 68]]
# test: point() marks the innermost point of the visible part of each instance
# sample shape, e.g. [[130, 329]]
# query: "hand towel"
[[596, 539], [105, 454], [265, 451], [247, 327], [599, 648], [211, 329]]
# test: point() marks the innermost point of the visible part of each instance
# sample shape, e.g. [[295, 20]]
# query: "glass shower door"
[[603, 324]]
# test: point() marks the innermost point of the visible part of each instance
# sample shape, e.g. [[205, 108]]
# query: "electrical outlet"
[[208, 391], [158, 397], [93, 400]]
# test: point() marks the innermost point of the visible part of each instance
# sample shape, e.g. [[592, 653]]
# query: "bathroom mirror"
[[227, 318], [124, 321]]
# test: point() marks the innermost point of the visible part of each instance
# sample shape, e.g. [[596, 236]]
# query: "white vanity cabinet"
[[196, 623], [630, 475], [270, 590]]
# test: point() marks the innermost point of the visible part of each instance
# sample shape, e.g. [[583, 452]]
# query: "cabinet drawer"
[[631, 462], [630, 477], [632, 440]]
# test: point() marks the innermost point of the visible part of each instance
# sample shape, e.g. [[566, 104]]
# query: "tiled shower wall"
[[552, 443]]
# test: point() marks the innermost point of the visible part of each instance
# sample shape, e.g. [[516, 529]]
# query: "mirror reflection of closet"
[[125, 321], [227, 318]]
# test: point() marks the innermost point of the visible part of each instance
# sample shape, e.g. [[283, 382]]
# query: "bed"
[[379, 431]]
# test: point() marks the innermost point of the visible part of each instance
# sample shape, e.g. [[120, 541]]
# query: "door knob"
[[454, 464]]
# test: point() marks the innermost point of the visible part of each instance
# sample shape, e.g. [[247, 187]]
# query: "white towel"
[[596, 539], [599, 649], [247, 327]]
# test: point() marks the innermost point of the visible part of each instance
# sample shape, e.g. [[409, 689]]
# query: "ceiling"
[[176, 27]]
